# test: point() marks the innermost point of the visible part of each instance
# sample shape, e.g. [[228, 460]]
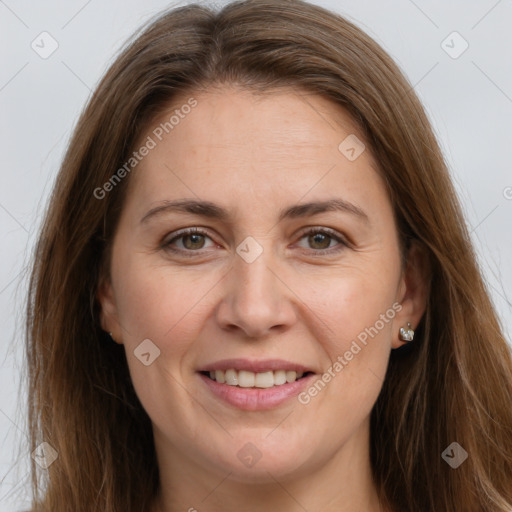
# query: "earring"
[[406, 333], [110, 334]]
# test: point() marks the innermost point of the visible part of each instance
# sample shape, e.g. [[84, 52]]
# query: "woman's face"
[[295, 268]]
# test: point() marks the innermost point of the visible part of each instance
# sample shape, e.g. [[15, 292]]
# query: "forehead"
[[222, 141], [273, 121]]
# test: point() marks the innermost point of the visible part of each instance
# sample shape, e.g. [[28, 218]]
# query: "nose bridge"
[[254, 280], [255, 300]]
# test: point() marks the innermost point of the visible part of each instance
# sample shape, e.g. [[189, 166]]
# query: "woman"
[[254, 288]]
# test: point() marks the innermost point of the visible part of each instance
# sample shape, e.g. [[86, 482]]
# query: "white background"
[[468, 99]]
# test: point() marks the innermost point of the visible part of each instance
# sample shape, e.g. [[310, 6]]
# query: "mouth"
[[255, 385], [261, 380]]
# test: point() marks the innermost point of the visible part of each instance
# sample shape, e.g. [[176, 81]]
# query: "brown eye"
[[193, 241], [188, 241], [319, 241]]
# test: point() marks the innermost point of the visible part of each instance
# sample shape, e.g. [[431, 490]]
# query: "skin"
[[253, 155]]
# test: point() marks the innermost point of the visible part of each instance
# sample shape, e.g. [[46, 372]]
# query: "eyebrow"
[[213, 211]]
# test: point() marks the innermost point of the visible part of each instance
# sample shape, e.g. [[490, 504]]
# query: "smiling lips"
[[253, 385], [247, 373], [247, 379]]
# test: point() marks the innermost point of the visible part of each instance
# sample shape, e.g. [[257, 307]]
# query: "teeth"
[[291, 376], [264, 380], [231, 377], [279, 377], [246, 379]]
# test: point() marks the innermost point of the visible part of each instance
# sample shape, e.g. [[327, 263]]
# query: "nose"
[[257, 300]]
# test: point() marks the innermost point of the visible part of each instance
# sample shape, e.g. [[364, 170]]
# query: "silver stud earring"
[[406, 333]]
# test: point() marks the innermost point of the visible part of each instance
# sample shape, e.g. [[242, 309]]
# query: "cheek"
[[161, 303], [355, 325], [348, 303], [167, 307]]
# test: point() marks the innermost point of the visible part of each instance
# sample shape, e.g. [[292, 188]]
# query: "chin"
[[253, 459]]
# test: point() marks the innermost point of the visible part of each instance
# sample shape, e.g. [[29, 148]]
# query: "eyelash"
[[342, 244]]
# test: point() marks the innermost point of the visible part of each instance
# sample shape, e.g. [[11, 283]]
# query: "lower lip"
[[256, 399]]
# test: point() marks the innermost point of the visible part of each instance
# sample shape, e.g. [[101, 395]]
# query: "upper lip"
[[256, 366]]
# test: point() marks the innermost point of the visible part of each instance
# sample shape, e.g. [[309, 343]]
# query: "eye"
[[320, 240], [187, 240], [192, 241]]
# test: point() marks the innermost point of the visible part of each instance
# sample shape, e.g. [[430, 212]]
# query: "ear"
[[108, 310], [414, 289]]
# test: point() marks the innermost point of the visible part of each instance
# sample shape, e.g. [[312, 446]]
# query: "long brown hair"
[[453, 384]]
